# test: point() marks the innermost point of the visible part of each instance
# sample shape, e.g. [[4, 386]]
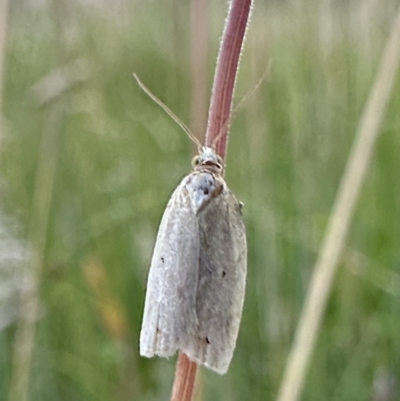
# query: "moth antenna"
[[241, 103], [168, 111]]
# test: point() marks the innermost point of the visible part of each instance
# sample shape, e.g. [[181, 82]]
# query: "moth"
[[197, 277], [196, 283]]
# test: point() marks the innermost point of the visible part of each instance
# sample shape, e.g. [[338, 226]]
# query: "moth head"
[[207, 159]]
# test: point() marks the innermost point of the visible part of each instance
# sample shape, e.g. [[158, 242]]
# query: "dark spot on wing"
[[162, 259], [204, 340], [223, 273]]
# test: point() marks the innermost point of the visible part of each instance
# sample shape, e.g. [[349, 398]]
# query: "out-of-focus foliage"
[[118, 157]]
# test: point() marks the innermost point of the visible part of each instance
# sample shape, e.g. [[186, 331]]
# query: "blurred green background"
[[88, 163]]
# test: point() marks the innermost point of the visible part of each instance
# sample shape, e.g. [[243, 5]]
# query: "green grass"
[[119, 158]]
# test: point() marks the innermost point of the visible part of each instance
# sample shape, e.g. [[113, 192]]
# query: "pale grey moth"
[[197, 277]]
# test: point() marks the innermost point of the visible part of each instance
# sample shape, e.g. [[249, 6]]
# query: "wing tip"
[[209, 357], [217, 365], [157, 344]]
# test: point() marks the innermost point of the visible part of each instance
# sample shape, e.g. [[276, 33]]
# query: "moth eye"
[[220, 162], [195, 161]]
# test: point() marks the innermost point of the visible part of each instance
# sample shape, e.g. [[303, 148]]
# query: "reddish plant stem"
[[225, 75], [217, 135], [185, 377]]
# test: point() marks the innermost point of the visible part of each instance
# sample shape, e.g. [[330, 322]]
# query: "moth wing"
[[169, 320], [221, 282]]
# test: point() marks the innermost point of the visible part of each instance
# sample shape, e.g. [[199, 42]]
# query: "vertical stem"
[[3, 42], [217, 132], [29, 309], [185, 377], [340, 219], [225, 75]]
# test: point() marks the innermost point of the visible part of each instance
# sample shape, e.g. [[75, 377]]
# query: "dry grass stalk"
[[48, 93], [339, 223], [3, 41], [29, 309]]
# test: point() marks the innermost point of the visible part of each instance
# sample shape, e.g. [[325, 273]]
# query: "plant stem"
[[48, 93], [225, 75], [340, 219], [185, 377], [217, 131], [29, 309], [3, 42]]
